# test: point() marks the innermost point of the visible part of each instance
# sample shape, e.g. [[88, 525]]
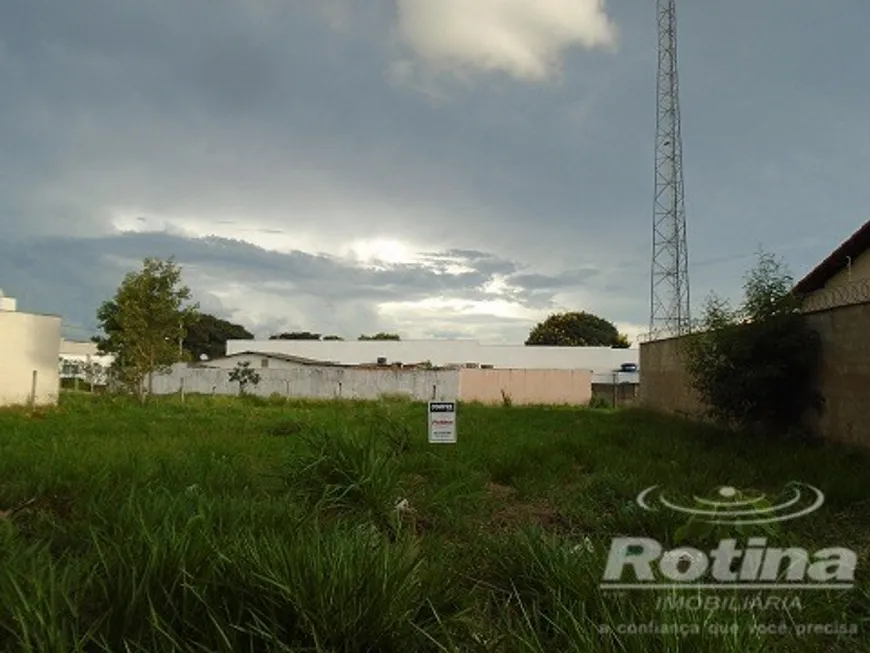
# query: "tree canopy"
[[145, 323], [296, 335], [207, 335], [576, 329], [380, 336]]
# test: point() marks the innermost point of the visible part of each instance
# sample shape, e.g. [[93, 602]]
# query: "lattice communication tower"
[[669, 304]]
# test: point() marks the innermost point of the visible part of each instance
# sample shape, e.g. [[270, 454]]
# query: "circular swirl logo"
[[738, 508]]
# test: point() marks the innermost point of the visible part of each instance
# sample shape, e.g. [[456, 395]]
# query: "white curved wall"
[[30, 343]]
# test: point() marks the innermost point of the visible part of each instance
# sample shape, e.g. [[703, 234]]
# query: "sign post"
[[442, 422]]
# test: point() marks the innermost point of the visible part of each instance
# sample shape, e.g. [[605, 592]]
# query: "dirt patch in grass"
[[499, 491], [511, 513]]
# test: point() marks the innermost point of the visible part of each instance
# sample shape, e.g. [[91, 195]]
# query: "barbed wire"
[[848, 294], [649, 336], [854, 292]]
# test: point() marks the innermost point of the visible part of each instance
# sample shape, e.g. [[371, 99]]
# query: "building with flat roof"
[[603, 362], [30, 356]]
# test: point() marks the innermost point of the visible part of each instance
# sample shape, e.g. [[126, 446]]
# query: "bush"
[[599, 402], [755, 367]]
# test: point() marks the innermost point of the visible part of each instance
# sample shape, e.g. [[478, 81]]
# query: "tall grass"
[[247, 524]]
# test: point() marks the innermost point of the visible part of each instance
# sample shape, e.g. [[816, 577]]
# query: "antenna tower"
[[669, 305]]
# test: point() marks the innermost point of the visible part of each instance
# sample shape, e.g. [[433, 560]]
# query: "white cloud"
[[523, 38]]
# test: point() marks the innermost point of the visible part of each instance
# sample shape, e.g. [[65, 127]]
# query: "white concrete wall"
[[30, 343], [315, 382], [601, 361], [77, 348]]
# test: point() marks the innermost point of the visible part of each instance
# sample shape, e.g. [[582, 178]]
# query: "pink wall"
[[526, 386]]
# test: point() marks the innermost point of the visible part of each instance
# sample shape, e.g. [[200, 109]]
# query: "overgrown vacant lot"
[[246, 525]]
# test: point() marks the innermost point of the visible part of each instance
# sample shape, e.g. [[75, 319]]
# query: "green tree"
[[296, 335], [207, 335], [380, 336], [577, 329], [755, 366], [244, 376], [144, 324], [332, 338]]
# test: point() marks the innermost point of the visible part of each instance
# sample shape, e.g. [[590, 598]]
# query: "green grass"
[[245, 524]]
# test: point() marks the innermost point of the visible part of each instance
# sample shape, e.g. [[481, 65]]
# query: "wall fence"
[[518, 387], [844, 379]]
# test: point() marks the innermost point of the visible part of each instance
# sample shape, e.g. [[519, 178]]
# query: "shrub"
[[755, 367], [598, 402], [348, 472]]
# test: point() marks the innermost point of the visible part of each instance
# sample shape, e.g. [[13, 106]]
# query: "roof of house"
[[301, 360], [851, 248], [284, 357]]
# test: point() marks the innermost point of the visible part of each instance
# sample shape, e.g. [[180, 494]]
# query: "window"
[[264, 362]]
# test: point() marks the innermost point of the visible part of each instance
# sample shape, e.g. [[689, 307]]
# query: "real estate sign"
[[442, 422]]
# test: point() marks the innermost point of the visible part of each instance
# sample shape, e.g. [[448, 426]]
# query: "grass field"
[[236, 524]]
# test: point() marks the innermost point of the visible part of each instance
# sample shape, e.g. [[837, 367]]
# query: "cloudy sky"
[[436, 168]]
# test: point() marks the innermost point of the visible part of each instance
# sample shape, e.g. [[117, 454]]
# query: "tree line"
[[152, 322], [308, 335]]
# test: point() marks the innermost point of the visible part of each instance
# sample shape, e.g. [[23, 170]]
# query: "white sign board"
[[442, 422]]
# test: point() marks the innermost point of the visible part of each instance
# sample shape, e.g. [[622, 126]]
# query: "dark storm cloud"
[[71, 276], [257, 116], [569, 279], [483, 262]]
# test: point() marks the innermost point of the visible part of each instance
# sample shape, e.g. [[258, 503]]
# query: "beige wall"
[[860, 270], [663, 381], [845, 374], [526, 386], [844, 379], [30, 342]]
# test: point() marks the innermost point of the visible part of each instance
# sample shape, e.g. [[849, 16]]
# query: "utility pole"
[[669, 292]]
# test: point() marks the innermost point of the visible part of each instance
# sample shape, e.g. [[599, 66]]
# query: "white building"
[[31, 345], [262, 360], [80, 360], [604, 362]]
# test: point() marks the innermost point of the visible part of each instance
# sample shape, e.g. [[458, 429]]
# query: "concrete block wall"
[[844, 379], [315, 382], [664, 382], [523, 386]]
